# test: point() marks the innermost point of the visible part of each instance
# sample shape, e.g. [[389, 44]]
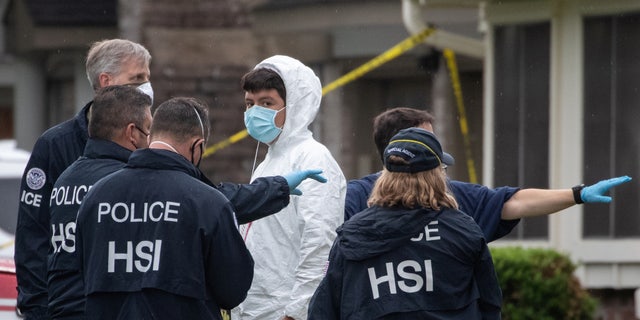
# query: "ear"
[[196, 142], [128, 132], [104, 79]]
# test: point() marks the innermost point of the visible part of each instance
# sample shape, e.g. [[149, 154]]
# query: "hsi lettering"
[[146, 256], [67, 233], [429, 234], [407, 270]]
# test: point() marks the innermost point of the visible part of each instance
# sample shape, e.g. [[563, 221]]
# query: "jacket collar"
[[105, 149], [159, 159], [81, 121]]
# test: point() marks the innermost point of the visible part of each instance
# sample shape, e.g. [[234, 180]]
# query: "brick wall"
[[196, 14], [201, 49]]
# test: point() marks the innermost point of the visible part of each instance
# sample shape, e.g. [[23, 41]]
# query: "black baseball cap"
[[420, 148]]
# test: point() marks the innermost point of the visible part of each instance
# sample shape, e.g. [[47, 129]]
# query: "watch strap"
[[576, 193]]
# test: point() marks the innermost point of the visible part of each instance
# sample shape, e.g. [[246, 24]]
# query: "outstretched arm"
[[264, 196], [537, 202]]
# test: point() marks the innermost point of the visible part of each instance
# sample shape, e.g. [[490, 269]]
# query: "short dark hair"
[[113, 108], [181, 118], [387, 124], [263, 79]]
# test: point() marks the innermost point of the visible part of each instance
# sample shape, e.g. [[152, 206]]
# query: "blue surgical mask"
[[260, 123], [147, 89]]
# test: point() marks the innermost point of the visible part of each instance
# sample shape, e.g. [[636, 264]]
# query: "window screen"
[[522, 114], [611, 118]]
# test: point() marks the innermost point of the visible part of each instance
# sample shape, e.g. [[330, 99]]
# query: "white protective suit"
[[291, 247]]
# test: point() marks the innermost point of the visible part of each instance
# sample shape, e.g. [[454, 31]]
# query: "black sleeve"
[[229, 263], [325, 303], [487, 281], [263, 197], [32, 236]]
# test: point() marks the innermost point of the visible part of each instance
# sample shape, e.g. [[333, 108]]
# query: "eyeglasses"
[[145, 134]]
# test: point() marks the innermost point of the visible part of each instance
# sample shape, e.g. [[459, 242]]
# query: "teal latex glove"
[[295, 178], [595, 192]]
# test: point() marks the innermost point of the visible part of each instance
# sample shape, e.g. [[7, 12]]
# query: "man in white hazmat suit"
[[290, 248]]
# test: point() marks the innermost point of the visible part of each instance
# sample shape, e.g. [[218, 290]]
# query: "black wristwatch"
[[576, 193]]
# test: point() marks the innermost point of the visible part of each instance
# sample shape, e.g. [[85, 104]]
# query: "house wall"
[[610, 267], [201, 49]]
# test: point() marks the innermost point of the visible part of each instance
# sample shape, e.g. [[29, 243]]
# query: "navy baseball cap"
[[420, 148]]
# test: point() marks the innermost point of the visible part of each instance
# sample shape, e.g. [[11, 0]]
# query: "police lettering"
[[62, 195], [66, 238], [407, 270], [145, 257], [121, 212], [430, 234], [31, 198]]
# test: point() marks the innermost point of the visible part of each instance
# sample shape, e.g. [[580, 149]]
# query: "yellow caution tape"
[[381, 59], [224, 143], [464, 128]]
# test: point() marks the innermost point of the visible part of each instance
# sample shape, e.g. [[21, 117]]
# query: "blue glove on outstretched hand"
[[296, 177], [595, 192]]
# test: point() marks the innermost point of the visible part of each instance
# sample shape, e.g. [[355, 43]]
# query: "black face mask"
[[141, 131], [193, 151]]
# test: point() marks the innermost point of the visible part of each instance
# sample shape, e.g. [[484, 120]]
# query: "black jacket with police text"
[[157, 243], [101, 158], [53, 152], [66, 291]]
